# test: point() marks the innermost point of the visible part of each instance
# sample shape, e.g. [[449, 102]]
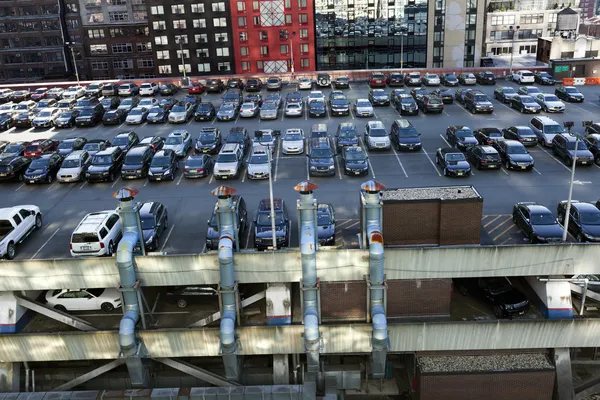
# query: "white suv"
[[74, 167], [228, 162], [97, 234], [523, 76], [258, 163], [148, 89], [16, 223]]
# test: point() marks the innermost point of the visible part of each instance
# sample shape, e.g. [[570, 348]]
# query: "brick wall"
[[526, 385], [460, 222], [343, 301], [411, 298]]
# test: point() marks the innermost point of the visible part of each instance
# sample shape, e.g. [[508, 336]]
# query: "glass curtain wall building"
[[370, 34]]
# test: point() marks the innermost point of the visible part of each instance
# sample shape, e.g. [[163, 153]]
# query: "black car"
[[404, 136], [430, 104], [155, 221], [69, 145], [110, 103], [126, 140], [13, 168], [89, 116], [340, 106], [235, 83], [346, 135], [326, 224], [157, 115], [476, 101], [198, 166], [190, 99], [263, 231], [66, 119], [241, 218], [488, 135], [405, 104], [293, 97], [592, 142], [395, 95], [514, 155], [239, 135], [485, 78], [85, 102], [418, 92], [317, 108], [341, 83], [253, 85], [185, 295], [320, 157], [209, 141], [105, 166], [205, 111], [444, 94], [43, 168], [449, 80], [395, 79], [453, 162], [137, 162], [23, 119], [584, 220], [164, 166], [3, 145], [498, 292], [460, 136], [14, 149], [505, 93], [154, 141], [525, 104], [96, 145], [6, 121], [569, 93], [537, 223], [523, 134], [543, 78], [563, 146], [214, 86], [355, 161], [460, 93], [114, 117], [167, 103], [168, 90], [379, 97], [484, 157]]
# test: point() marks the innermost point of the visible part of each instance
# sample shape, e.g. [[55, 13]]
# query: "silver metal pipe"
[[27, 372]]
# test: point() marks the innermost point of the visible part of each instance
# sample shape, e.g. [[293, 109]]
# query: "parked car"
[[15, 233], [453, 162], [523, 134], [537, 223], [110, 103], [484, 157], [274, 83], [205, 111], [584, 220], [154, 219], [227, 112], [181, 113], [43, 168], [529, 90], [198, 166], [429, 103], [148, 89], [326, 224], [39, 93], [114, 117], [94, 89], [523, 76], [449, 79], [341, 82], [377, 80], [476, 101], [549, 102], [525, 104], [89, 116], [263, 237], [592, 142], [395, 79], [6, 121], [292, 141], [431, 80], [40, 146], [488, 135], [377, 136], [106, 164], [129, 89], [110, 89], [235, 83], [379, 97], [126, 140], [98, 234], [55, 93], [504, 298], [155, 142], [460, 136], [94, 146], [544, 78], [258, 163], [569, 93], [253, 85], [486, 78], [404, 136], [167, 103], [74, 167], [209, 141], [13, 168], [346, 135], [514, 155], [168, 89], [157, 115], [444, 94], [323, 80], [363, 108], [137, 116], [505, 93], [321, 157], [46, 118], [467, 78], [137, 162], [83, 299], [268, 111], [413, 79], [563, 146], [68, 145], [180, 141], [355, 161], [214, 86]]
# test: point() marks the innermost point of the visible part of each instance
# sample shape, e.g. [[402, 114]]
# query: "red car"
[[39, 94], [195, 88], [377, 80], [40, 146]]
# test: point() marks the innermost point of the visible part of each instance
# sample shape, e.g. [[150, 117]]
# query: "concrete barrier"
[[578, 81]]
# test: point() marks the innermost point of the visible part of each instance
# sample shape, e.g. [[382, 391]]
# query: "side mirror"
[[208, 222], [307, 155], [419, 134]]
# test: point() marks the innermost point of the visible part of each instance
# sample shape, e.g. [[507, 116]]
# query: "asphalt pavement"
[[190, 203]]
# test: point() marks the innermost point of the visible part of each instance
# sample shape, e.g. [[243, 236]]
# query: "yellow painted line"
[[504, 231], [499, 225], [353, 225], [344, 222], [492, 221]]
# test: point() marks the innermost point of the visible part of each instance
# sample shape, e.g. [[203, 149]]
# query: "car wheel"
[[532, 239], [596, 160], [445, 171], [59, 307], [111, 177], [181, 303], [110, 250], [437, 159], [20, 178], [11, 251], [38, 221], [580, 237], [107, 307], [507, 165], [166, 222], [498, 312], [522, 110], [49, 179], [568, 161]]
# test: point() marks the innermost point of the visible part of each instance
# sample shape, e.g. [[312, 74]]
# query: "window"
[[256, 21], [164, 69], [244, 51], [199, 23], [218, 7], [245, 65], [532, 19], [188, 68], [264, 50], [470, 34], [590, 53], [219, 22], [263, 36], [179, 24], [255, 5], [288, 4], [301, 4], [159, 25], [98, 49], [241, 6], [50, 26], [161, 40], [304, 63], [243, 36], [140, 15], [222, 51], [242, 22], [224, 66], [201, 38], [181, 38], [303, 34], [567, 54], [553, 17], [117, 2], [118, 16], [72, 8], [144, 46], [157, 10], [95, 17], [303, 19], [471, 19], [96, 33], [186, 54], [122, 64], [198, 8], [284, 49], [122, 48], [116, 32], [202, 53], [204, 67], [145, 63], [177, 9], [99, 65], [221, 37], [303, 48], [260, 66], [162, 55], [503, 19]]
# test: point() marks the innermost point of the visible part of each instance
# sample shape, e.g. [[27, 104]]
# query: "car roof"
[[568, 137], [97, 141], [583, 206], [177, 133], [37, 142], [44, 156], [376, 124], [139, 149], [8, 211], [147, 207], [458, 127], [513, 143], [403, 123], [265, 204], [353, 149], [537, 208], [75, 154], [365, 100], [107, 151], [163, 153], [123, 134], [488, 149], [450, 150]]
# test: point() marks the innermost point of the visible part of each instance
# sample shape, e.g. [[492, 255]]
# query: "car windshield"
[[347, 132], [106, 102], [355, 156], [526, 74], [580, 145], [248, 106], [102, 160], [39, 164], [455, 157], [378, 132], [464, 133], [292, 136], [259, 159], [451, 77], [203, 107], [590, 218], [269, 106], [45, 114], [93, 86], [323, 219], [571, 90], [408, 132], [70, 163], [508, 90], [66, 145], [235, 137], [155, 110], [161, 162], [13, 148], [120, 141], [226, 158], [408, 100], [133, 159], [553, 128], [226, 107], [480, 97], [92, 146], [516, 150], [551, 98], [207, 137], [136, 111], [194, 162], [5, 228], [363, 104], [543, 218], [498, 286], [32, 148], [174, 140], [340, 102], [178, 108], [321, 153], [127, 102], [20, 107], [379, 93], [525, 132], [264, 218], [148, 221], [526, 99], [40, 91], [272, 80], [293, 106]]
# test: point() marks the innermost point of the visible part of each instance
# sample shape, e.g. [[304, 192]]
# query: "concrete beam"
[[90, 375], [564, 375], [59, 316], [217, 316], [196, 372]]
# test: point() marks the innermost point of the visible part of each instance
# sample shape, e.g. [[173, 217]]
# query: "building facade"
[[273, 36], [200, 31], [33, 36], [116, 39]]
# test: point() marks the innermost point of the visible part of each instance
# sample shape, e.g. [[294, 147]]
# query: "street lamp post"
[[569, 125], [402, 30], [291, 59], [180, 43], [259, 136], [514, 30], [70, 45]]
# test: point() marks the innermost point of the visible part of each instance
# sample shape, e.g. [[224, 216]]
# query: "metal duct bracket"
[[370, 288], [317, 290], [371, 186], [236, 292], [143, 303]]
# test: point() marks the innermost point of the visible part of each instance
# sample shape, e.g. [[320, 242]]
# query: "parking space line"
[[554, 158], [500, 224], [51, 186], [538, 172], [83, 185], [307, 170], [431, 161], [504, 170], [492, 221], [351, 113], [115, 182], [146, 182], [503, 232], [399, 162], [277, 163], [582, 109], [45, 243], [180, 178], [445, 113], [445, 141], [248, 235], [244, 169], [509, 107], [237, 119], [337, 163], [19, 188], [212, 176], [282, 115], [371, 168], [9, 130], [191, 120], [167, 238]]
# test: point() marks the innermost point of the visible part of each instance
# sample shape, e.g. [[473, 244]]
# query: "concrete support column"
[[564, 377], [10, 377], [554, 297], [281, 369]]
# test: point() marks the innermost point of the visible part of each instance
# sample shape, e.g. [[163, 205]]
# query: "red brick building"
[[273, 36]]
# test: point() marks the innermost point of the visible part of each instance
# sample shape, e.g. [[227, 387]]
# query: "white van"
[[98, 234]]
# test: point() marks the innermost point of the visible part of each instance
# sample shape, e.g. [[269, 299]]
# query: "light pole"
[[514, 30], [259, 136], [70, 45], [402, 51], [179, 41], [569, 125], [291, 60]]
